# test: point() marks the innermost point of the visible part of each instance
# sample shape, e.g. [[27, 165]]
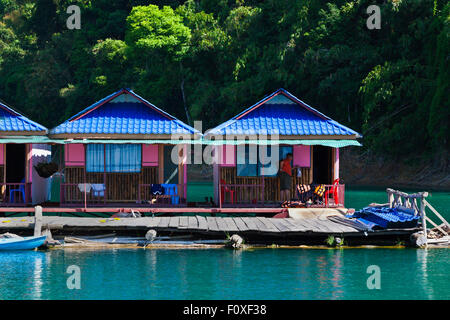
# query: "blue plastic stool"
[[172, 191], [13, 191]]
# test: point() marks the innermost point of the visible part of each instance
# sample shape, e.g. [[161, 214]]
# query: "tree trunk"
[[188, 117]]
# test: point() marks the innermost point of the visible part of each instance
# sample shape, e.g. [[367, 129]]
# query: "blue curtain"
[[119, 157], [94, 158]]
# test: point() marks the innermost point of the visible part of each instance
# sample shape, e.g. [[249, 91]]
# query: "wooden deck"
[[318, 225]]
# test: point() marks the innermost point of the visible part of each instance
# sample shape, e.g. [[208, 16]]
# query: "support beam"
[[37, 221]]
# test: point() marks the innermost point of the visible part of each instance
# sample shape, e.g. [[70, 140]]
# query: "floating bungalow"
[[118, 149], [22, 146], [278, 125], [124, 157]]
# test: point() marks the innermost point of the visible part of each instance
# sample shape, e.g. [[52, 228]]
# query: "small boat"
[[21, 243]]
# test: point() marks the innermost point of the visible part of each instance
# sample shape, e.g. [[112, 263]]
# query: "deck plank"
[[260, 225], [222, 224], [212, 224], [174, 222], [329, 226], [251, 225], [240, 224], [297, 226], [164, 222], [268, 224], [184, 223], [278, 223], [334, 227], [202, 223], [192, 223], [232, 227], [153, 222]]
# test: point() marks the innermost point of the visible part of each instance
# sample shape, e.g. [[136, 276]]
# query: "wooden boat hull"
[[25, 243]]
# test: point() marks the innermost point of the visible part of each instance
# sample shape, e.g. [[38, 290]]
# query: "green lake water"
[[226, 274]]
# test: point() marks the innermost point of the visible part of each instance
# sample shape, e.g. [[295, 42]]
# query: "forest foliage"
[[209, 59]]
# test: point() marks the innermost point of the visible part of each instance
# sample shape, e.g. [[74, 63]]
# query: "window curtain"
[[94, 158], [119, 157]]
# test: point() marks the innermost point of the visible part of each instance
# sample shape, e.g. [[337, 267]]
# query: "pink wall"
[[74, 154], [2, 160], [228, 156], [302, 156], [149, 155]]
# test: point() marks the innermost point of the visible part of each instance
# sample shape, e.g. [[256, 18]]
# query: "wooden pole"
[[104, 172], [37, 221], [390, 198], [423, 216], [85, 196]]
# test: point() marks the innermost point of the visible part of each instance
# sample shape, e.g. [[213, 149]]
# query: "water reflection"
[[336, 279], [422, 262], [21, 273]]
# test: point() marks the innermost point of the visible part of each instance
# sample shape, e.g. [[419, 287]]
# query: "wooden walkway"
[[195, 224]]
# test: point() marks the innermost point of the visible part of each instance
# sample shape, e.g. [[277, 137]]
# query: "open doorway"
[[170, 168], [15, 163], [322, 165]]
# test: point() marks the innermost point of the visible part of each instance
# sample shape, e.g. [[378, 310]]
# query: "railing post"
[[423, 216], [390, 198], [37, 221], [263, 186], [220, 194], [139, 194]]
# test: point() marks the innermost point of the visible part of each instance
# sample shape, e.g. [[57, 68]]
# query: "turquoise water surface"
[[226, 274]]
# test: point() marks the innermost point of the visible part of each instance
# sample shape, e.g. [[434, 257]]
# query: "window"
[[246, 161], [119, 157], [258, 161]]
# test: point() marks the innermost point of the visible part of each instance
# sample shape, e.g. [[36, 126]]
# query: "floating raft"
[[303, 225]]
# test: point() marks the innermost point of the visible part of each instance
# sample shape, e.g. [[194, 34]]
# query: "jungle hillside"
[[209, 59]]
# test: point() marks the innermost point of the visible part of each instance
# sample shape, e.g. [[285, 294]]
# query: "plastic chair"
[[225, 189], [21, 190], [172, 191], [333, 191]]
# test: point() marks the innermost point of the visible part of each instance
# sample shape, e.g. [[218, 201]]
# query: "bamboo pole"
[[437, 213]]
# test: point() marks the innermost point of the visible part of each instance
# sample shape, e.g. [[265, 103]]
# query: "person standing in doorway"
[[285, 174]]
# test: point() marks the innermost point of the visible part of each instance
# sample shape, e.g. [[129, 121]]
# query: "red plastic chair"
[[333, 191], [225, 189]]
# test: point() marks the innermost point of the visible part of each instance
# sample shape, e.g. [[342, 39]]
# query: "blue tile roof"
[[11, 120], [123, 112], [284, 114]]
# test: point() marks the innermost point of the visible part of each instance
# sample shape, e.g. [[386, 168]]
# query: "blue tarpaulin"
[[387, 218]]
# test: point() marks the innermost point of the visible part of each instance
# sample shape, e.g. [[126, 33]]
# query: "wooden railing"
[[411, 201], [78, 194], [236, 194], [254, 194], [15, 194]]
